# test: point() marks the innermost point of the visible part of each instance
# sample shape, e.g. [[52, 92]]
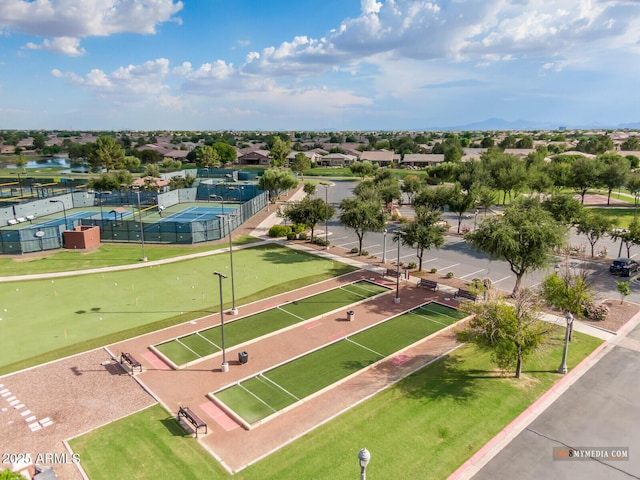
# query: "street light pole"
[[234, 310], [64, 210], [225, 366], [563, 366], [144, 257], [397, 299], [363, 459], [384, 246], [326, 216]]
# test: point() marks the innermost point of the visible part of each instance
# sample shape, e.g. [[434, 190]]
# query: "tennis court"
[[199, 345], [191, 214], [267, 393]]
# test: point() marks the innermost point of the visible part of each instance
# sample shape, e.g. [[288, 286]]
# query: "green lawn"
[[622, 216], [47, 319], [308, 374], [424, 427], [106, 256], [205, 342]]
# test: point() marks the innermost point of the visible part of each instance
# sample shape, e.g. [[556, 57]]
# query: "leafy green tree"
[[114, 180], [564, 208], [279, 151], [459, 202], [410, 185], [424, 232], [507, 172], [510, 333], [525, 142], [389, 190], [176, 182], [276, 181], [309, 188], [21, 161], [628, 236], [631, 144], [207, 157], [624, 289], [308, 212], [594, 226], [486, 197], [132, 163], [363, 169], [595, 145], [300, 163], [585, 174], [614, 172], [107, 154], [9, 475], [39, 142], [567, 292], [525, 237], [226, 153], [361, 216], [433, 198], [633, 185]]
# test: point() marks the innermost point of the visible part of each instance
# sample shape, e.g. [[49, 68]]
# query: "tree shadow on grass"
[[445, 378]]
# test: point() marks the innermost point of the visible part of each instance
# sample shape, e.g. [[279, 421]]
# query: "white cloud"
[[64, 19], [130, 84], [66, 45]]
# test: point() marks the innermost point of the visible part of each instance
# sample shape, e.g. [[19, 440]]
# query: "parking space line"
[[474, 273], [450, 266], [502, 279]]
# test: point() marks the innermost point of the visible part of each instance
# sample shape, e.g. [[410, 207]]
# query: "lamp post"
[[144, 257], [398, 235], [563, 366], [20, 182], [475, 219], [221, 198], [326, 216], [225, 366], [64, 210], [100, 195], [234, 310], [384, 246], [363, 460]]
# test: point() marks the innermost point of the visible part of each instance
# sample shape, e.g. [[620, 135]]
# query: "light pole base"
[[233, 311], [563, 369], [224, 367], [143, 259], [396, 300]]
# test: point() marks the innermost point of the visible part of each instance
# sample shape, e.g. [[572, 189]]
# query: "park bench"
[[392, 273], [426, 283], [192, 418], [465, 295], [127, 358], [21, 219], [12, 221]]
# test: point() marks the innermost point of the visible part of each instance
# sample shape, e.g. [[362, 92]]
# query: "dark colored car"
[[623, 267]]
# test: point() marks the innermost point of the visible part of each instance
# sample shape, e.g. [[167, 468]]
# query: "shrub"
[[412, 265], [365, 253], [596, 312], [279, 231], [434, 270], [449, 275], [354, 250], [303, 236], [298, 228], [321, 241], [403, 220], [291, 236]]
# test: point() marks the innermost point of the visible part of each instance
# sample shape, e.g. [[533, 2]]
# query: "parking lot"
[[457, 257]]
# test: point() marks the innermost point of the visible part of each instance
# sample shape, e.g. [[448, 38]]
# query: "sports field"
[[267, 393], [41, 320], [207, 342]]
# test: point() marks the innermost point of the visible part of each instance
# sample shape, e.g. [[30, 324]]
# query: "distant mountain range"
[[501, 124]]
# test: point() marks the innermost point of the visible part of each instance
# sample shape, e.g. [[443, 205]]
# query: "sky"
[[317, 64]]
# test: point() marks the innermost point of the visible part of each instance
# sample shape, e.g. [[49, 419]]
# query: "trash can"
[[351, 315], [243, 357]]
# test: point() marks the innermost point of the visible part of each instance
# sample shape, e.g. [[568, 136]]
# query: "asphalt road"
[[456, 255], [600, 410]]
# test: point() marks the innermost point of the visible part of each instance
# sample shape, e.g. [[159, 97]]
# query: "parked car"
[[623, 267]]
